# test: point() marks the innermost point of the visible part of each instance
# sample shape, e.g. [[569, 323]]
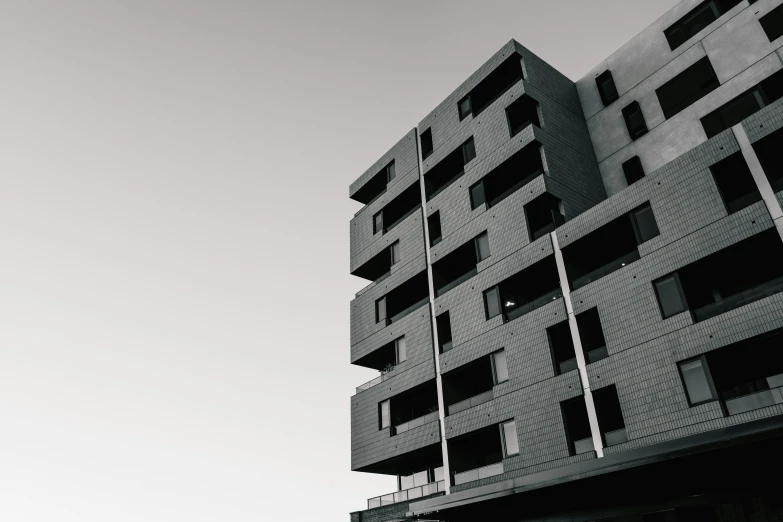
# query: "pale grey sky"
[[174, 283]]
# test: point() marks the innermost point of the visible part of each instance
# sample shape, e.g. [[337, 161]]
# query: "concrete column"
[[435, 343], [759, 177], [580, 357]]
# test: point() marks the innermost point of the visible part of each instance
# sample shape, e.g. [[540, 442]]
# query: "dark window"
[[687, 88], [610, 415], [633, 170], [606, 88], [751, 101], [634, 120], [449, 169], [391, 172], [405, 298], [433, 224], [543, 215], [377, 223], [768, 151], [482, 247], [380, 310], [670, 295], [592, 335], [426, 143], [477, 195], [772, 23], [375, 186], [492, 302], [395, 211], [561, 346], [499, 366], [492, 87], [698, 382], [577, 426], [697, 19], [735, 183], [521, 113], [443, 324], [394, 252], [644, 224]]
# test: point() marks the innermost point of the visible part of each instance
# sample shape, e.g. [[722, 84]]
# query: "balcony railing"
[[735, 301], [406, 311], [567, 366], [407, 494], [607, 269], [445, 347], [762, 399], [481, 398], [583, 445], [597, 354], [461, 279], [478, 473], [557, 220], [518, 185], [532, 305], [367, 385], [415, 423], [387, 228], [616, 437], [746, 200]]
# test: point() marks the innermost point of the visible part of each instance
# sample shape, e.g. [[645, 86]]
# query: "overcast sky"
[[174, 286]]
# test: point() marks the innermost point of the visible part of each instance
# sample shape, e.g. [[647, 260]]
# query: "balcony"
[[583, 446], [473, 384], [543, 215], [740, 299], [500, 80], [375, 186], [577, 426], [402, 300], [614, 437], [415, 423], [479, 473], [525, 291], [514, 173], [597, 354], [460, 265], [760, 399], [591, 334], [521, 114], [449, 169], [735, 183], [395, 211], [481, 398], [561, 346], [768, 151], [413, 408], [374, 382], [610, 247], [407, 494], [383, 359], [529, 306]]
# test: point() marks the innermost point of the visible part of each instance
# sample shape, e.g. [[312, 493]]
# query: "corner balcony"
[[407, 494]]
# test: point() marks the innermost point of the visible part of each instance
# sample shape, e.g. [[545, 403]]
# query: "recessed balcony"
[[525, 291], [472, 384]]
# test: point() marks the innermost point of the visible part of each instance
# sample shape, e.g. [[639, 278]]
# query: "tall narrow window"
[[606, 88], [644, 224], [670, 295], [772, 23], [433, 224], [377, 223], [610, 415], [698, 382], [592, 335], [394, 251], [492, 302], [482, 247], [499, 366], [468, 151], [477, 195], [426, 143], [385, 414], [633, 170], [634, 120], [508, 432], [735, 183], [380, 310], [391, 172], [401, 349], [443, 323]]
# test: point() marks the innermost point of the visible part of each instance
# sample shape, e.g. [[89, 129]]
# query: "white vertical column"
[[773, 206], [435, 344], [580, 357]]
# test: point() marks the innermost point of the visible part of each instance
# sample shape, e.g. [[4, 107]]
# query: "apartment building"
[[575, 298]]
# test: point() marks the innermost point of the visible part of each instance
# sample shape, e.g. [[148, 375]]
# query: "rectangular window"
[[391, 172], [468, 151], [433, 225], [394, 251], [644, 224], [772, 23], [426, 143], [477, 195], [464, 107], [634, 120], [606, 88], [385, 414], [492, 302], [499, 367], [482, 247], [735, 183], [380, 310], [377, 223], [670, 295], [591, 334], [610, 415], [401, 350], [508, 432], [697, 19], [687, 88], [633, 170], [443, 324], [698, 382]]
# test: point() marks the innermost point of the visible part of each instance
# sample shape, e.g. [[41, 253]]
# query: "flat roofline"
[[693, 444]]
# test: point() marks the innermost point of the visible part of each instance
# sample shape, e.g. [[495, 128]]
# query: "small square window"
[[492, 302], [644, 224], [606, 88], [698, 382], [670, 295], [395, 252], [482, 247], [634, 120], [464, 108], [772, 23], [633, 170], [426, 143], [377, 223], [508, 431], [477, 195]]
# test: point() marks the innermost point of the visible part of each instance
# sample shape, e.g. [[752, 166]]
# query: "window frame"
[[377, 222], [400, 341], [391, 172], [496, 290], [637, 230], [504, 440], [477, 247], [428, 140], [472, 191], [492, 357], [468, 148], [627, 116], [394, 248], [678, 285], [707, 374], [601, 80], [633, 163], [387, 402], [436, 217], [381, 303], [777, 13], [469, 111]]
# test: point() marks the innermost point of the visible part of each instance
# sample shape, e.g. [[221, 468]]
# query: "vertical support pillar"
[[435, 344], [580, 356], [773, 206]]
